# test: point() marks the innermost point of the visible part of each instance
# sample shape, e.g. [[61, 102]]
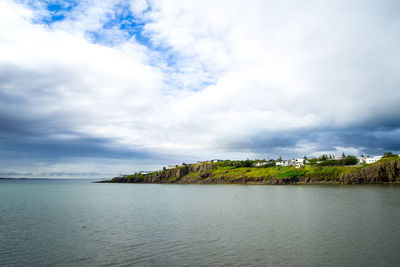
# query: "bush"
[[389, 155], [348, 160], [238, 163]]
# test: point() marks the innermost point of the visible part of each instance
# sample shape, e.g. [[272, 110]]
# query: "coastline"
[[386, 172]]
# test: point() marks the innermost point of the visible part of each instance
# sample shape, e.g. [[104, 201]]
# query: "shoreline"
[[385, 172], [396, 183]]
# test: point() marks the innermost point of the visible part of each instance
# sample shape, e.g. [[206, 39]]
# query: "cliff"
[[386, 172], [218, 173]]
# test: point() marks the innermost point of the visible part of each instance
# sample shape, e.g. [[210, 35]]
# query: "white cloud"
[[281, 66], [94, 86]]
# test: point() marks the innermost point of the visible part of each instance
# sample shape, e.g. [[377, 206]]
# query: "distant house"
[[259, 164], [172, 166], [298, 162], [373, 159], [283, 163], [362, 160], [292, 162], [217, 160]]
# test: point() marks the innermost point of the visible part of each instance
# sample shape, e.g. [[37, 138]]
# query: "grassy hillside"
[[282, 172], [386, 170]]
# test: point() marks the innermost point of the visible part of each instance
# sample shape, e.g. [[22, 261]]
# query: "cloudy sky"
[[93, 88]]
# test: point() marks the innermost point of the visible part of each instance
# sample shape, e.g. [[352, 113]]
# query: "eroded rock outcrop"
[[385, 172], [374, 174]]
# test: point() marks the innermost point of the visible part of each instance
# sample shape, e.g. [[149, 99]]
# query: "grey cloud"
[[366, 140], [56, 149], [51, 174], [14, 174]]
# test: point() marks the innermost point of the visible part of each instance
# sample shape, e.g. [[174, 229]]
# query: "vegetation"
[[389, 155], [232, 173], [313, 172], [322, 169], [258, 163], [347, 160]]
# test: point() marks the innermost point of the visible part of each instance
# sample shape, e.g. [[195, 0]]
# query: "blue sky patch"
[[121, 19], [58, 10]]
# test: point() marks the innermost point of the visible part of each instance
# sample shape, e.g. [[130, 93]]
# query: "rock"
[[385, 172], [377, 173]]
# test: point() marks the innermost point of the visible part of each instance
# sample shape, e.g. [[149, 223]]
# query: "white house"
[[291, 162], [172, 166], [373, 159], [283, 163], [361, 160], [300, 161], [260, 163]]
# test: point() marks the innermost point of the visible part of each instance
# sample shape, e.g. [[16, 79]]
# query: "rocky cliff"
[[182, 174], [387, 172], [209, 173]]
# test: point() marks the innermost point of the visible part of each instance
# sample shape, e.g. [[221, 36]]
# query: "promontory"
[[386, 170]]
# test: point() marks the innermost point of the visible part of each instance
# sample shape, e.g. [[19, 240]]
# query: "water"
[[78, 223]]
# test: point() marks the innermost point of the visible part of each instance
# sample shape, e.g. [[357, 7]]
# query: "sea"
[[81, 223]]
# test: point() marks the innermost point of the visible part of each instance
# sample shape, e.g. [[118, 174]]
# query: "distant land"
[[323, 170], [11, 178]]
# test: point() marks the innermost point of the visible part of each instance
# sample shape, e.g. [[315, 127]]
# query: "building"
[[373, 159], [361, 160], [292, 162], [283, 163], [172, 166], [259, 164]]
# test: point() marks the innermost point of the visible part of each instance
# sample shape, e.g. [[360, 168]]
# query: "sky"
[[101, 88]]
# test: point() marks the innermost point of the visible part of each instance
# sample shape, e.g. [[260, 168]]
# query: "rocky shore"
[[211, 173]]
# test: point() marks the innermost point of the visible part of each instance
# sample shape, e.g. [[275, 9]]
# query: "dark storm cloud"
[[25, 132], [22, 138], [12, 174], [367, 138], [70, 174], [55, 149], [50, 174]]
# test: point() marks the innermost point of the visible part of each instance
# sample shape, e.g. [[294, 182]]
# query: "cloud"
[[171, 81], [284, 69]]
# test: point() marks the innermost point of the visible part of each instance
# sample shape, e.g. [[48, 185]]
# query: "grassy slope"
[[308, 171], [248, 174], [312, 172]]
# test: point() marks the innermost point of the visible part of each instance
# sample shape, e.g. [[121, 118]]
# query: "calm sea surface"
[[78, 223]]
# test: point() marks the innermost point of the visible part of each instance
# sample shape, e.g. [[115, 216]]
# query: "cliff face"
[[386, 172], [183, 174]]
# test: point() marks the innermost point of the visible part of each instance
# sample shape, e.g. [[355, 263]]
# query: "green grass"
[[387, 159], [194, 175], [313, 172], [232, 173], [293, 173]]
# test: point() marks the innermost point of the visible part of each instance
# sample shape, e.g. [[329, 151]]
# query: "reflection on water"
[[70, 222]]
